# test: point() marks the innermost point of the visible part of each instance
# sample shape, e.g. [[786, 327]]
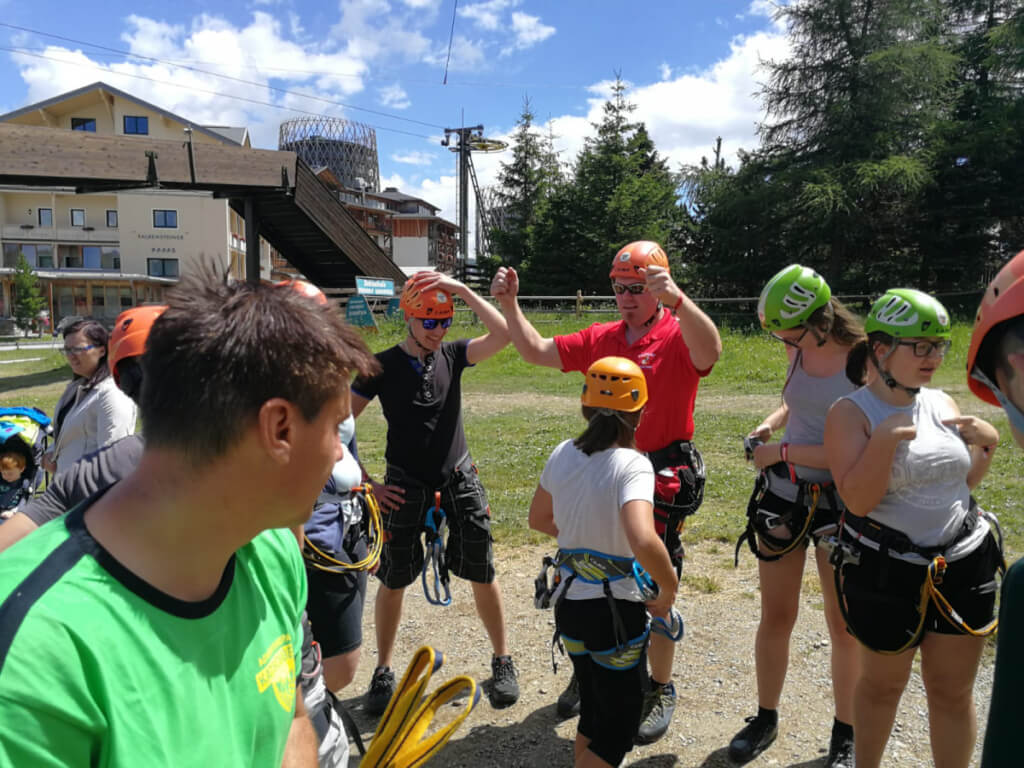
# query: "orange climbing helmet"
[[422, 304], [1003, 300], [641, 254], [128, 339], [615, 383], [306, 289]]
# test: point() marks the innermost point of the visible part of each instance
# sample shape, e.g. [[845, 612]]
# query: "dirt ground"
[[714, 674]]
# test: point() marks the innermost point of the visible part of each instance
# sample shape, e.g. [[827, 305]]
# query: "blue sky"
[[692, 65]]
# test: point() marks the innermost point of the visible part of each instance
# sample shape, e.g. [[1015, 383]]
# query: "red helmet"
[[1003, 300], [633, 257], [424, 304], [128, 339], [306, 289]]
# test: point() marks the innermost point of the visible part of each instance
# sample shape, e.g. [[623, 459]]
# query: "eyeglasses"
[[77, 350], [927, 348], [791, 342], [430, 323], [634, 288]]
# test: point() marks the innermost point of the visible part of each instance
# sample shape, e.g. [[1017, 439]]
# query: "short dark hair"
[[606, 431], [1000, 342], [97, 335], [224, 348]]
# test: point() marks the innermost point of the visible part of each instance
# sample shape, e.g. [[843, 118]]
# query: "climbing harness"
[[597, 568], [679, 481], [435, 529], [889, 542], [797, 519], [401, 739], [327, 561]]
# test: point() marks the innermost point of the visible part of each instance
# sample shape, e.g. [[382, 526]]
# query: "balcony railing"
[[33, 234]]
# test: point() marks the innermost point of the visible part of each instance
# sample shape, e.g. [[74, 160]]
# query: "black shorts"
[[468, 550], [335, 603], [611, 700], [882, 604]]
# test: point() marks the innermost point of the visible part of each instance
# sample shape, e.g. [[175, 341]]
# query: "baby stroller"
[[25, 431]]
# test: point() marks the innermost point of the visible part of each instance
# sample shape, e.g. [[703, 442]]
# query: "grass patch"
[[516, 413], [700, 583]]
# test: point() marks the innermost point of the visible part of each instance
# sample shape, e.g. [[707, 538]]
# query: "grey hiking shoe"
[[504, 689], [659, 704], [569, 700], [754, 739], [382, 687]]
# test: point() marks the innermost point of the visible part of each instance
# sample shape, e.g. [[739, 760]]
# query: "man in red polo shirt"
[[675, 344]]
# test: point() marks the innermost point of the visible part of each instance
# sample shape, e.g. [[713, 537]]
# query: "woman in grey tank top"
[[793, 502], [904, 460]]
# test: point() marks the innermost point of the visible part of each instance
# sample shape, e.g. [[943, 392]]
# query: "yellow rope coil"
[[325, 562]]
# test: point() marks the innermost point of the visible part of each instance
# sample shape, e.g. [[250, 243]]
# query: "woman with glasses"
[[420, 390], [92, 412], [915, 558], [794, 501]]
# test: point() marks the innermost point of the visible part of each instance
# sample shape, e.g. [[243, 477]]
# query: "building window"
[[134, 125], [77, 217], [13, 250], [165, 219], [112, 219], [46, 217], [44, 256], [83, 124], [91, 256], [162, 267], [70, 256], [110, 258]]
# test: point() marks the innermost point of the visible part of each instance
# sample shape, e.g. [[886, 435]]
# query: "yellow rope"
[[314, 555]]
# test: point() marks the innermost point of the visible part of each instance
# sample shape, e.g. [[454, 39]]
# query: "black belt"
[[396, 474], [891, 540], [672, 454]]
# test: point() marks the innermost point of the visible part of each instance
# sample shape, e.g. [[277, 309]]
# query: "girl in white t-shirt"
[[596, 497]]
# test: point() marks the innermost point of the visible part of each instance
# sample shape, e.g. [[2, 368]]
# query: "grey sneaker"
[[754, 739], [659, 704], [504, 689], [382, 687], [569, 701]]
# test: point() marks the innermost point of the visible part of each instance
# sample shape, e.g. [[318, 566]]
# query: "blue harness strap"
[[435, 529]]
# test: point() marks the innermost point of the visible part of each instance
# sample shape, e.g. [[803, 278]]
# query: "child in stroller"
[[24, 433]]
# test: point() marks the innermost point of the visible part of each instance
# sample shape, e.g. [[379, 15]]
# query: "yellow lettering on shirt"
[[277, 670]]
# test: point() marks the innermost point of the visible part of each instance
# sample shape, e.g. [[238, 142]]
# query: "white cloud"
[[487, 15], [467, 55], [665, 70], [767, 9], [394, 96], [422, 4], [528, 32], [414, 157]]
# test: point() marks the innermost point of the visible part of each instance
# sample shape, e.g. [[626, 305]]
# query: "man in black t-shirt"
[[421, 395]]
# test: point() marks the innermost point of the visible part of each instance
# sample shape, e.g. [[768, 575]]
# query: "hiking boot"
[[382, 687], [840, 752], [753, 740], [504, 690], [659, 704], [569, 700]]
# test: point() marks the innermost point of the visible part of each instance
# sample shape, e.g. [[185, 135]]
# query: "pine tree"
[[28, 302]]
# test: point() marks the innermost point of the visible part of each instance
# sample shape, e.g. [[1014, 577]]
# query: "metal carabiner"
[[434, 529]]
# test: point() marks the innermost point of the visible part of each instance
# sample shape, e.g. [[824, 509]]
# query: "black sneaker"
[[569, 701], [659, 704], [382, 687], [840, 752], [504, 689], [753, 740]]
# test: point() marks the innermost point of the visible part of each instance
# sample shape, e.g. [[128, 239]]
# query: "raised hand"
[[505, 284], [661, 285], [974, 431]]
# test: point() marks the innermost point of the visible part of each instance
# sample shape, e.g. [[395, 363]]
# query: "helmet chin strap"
[[888, 378], [408, 325], [611, 412], [657, 313]]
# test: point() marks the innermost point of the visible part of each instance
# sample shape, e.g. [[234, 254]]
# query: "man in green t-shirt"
[[158, 623]]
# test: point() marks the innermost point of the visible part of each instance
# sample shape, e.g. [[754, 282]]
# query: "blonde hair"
[[12, 460]]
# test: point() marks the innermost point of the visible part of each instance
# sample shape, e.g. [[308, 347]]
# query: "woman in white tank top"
[[797, 307], [904, 461]]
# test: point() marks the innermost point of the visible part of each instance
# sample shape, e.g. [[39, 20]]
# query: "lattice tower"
[[348, 148]]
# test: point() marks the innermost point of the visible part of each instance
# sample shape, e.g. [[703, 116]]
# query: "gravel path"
[[714, 673]]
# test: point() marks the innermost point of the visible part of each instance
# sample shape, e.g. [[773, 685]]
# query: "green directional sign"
[[394, 310], [357, 312]]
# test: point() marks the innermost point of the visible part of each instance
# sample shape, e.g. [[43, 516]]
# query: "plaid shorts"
[[468, 552]]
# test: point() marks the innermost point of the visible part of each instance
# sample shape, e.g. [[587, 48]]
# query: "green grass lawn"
[[516, 413]]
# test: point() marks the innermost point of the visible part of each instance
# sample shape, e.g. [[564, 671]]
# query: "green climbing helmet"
[[791, 297], [904, 313]]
